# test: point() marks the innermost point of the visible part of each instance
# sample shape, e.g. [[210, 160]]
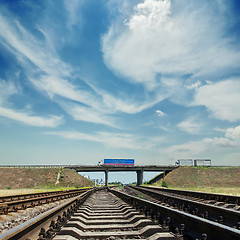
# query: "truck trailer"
[[117, 161]]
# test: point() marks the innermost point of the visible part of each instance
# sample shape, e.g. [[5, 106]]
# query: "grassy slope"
[[208, 179], [19, 178]]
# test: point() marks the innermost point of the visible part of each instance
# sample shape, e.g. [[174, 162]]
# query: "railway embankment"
[[210, 179], [22, 178]]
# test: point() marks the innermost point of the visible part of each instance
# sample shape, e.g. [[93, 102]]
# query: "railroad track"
[[51, 220], [221, 198], [104, 216], [113, 214], [221, 215], [221, 212], [32, 195], [21, 202], [98, 215]]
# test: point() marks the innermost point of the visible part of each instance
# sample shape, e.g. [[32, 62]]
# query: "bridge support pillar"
[[139, 177], [106, 178]]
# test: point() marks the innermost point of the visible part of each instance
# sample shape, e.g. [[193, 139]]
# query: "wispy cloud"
[[49, 74], [74, 14], [7, 89], [109, 139], [25, 118], [53, 72], [129, 104], [190, 125], [17, 38], [57, 86], [88, 114]]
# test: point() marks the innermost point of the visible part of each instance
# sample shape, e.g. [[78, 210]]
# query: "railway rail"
[[32, 195], [52, 220], [221, 212], [17, 202], [95, 214], [231, 199], [104, 216], [220, 217], [111, 213]]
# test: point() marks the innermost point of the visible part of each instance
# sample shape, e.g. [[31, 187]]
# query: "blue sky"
[[152, 80]]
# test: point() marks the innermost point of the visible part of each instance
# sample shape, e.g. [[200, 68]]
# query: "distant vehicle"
[[100, 163], [195, 162], [202, 162], [184, 162], [117, 161]]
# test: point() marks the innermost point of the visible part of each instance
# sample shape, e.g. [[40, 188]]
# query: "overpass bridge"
[[139, 169]]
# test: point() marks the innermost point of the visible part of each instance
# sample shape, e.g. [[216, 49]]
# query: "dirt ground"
[[10, 192], [36, 178], [209, 179]]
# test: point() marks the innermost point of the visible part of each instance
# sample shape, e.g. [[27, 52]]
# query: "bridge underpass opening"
[[98, 177], [122, 177]]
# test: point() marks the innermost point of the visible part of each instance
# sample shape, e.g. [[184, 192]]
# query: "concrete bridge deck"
[[119, 168], [139, 169]]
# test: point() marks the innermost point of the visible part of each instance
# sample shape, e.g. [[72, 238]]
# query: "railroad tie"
[[104, 216]]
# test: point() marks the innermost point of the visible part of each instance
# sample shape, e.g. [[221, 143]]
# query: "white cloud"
[[54, 73], [25, 118], [114, 140], [187, 150], [43, 58], [17, 38], [74, 15], [190, 125], [194, 85], [87, 114], [221, 99], [233, 133], [6, 90], [166, 39], [120, 140], [160, 113], [52, 70], [55, 86], [207, 147], [149, 14], [219, 129], [128, 104], [49, 74]]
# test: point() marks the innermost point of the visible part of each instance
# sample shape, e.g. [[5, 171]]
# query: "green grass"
[[222, 180], [221, 190], [8, 192], [218, 190]]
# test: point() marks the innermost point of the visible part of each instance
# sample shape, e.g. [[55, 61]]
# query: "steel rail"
[[32, 195], [222, 215], [31, 202], [207, 196], [191, 226], [51, 220]]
